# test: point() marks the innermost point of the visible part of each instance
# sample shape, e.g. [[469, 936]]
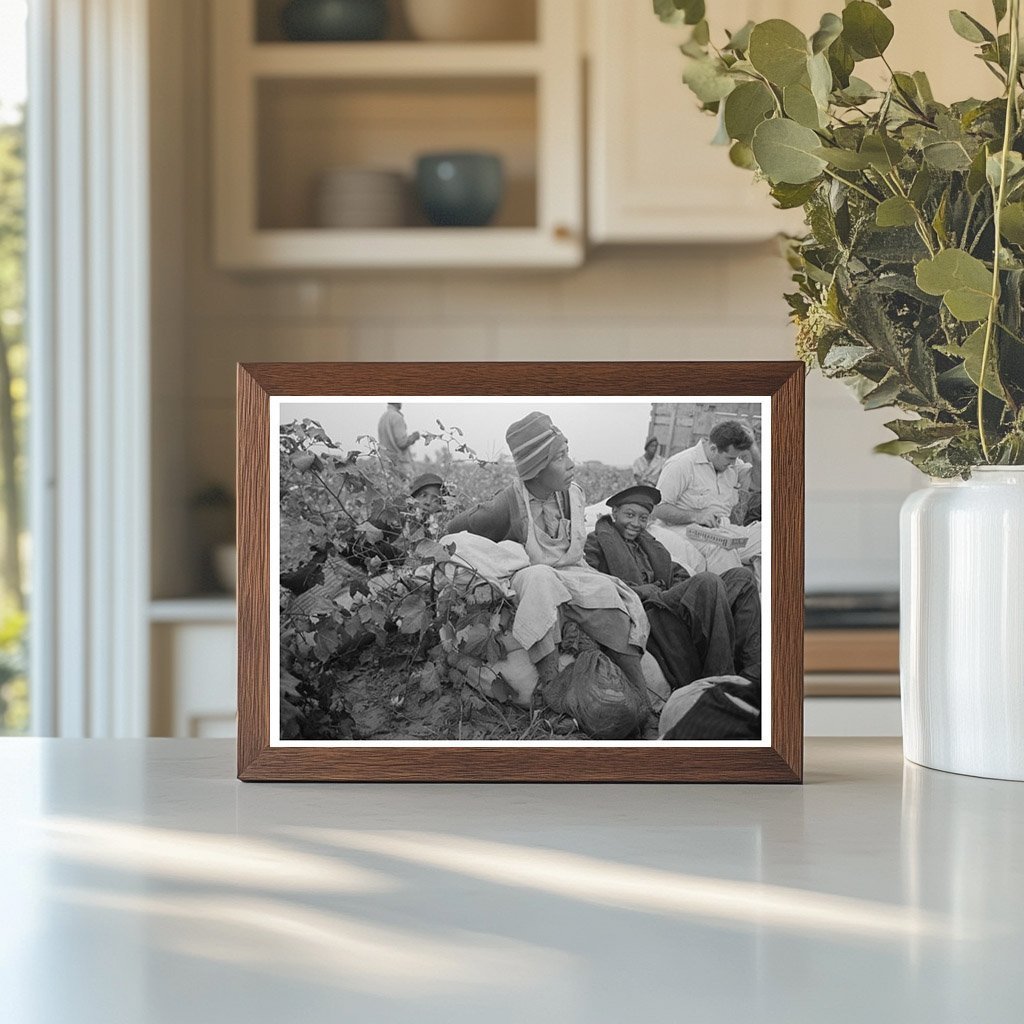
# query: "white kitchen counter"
[[143, 884]]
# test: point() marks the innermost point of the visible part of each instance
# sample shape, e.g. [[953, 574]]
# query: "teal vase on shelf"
[[334, 20]]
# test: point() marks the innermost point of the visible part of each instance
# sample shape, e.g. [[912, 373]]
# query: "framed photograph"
[[514, 572]]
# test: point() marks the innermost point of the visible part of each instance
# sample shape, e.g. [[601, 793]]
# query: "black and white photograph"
[[545, 570]]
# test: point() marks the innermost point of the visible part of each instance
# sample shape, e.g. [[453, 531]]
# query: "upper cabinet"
[[317, 144], [653, 174]]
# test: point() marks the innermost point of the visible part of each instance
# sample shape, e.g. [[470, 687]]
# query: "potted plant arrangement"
[[908, 288]]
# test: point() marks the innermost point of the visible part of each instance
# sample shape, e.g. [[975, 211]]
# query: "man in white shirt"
[[702, 485], [395, 440]]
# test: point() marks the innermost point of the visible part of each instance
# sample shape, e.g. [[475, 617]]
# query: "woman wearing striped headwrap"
[[543, 511]]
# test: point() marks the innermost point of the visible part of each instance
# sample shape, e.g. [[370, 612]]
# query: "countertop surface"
[[143, 884]]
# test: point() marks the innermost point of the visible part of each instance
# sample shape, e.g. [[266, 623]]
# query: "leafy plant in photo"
[[390, 639], [909, 279]]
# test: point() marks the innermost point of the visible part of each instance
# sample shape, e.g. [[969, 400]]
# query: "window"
[[14, 705]]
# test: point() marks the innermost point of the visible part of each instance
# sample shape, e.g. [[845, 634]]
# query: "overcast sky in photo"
[[610, 432]]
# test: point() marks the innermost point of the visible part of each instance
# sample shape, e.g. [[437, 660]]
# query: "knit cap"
[[532, 441]]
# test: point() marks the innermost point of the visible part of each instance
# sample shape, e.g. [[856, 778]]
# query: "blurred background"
[[248, 180]]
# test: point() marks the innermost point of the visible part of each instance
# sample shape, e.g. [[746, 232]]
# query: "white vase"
[[962, 624]]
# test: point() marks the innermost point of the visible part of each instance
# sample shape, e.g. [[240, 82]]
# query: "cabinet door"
[[653, 174]]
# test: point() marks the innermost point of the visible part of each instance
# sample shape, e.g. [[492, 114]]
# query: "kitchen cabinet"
[[287, 113], [653, 175], [193, 673]]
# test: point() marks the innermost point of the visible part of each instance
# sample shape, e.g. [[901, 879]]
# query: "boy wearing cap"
[[702, 625], [543, 511]]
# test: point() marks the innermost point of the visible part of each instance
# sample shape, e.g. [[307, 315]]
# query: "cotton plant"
[[909, 279]]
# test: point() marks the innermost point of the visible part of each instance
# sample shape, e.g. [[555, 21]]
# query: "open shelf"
[[287, 113], [393, 60], [519, 17], [308, 127]]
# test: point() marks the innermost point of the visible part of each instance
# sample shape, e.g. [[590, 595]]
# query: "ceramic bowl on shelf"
[[361, 198], [334, 20], [460, 189], [469, 20]]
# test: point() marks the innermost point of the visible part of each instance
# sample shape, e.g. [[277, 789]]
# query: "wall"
[[652, 303]]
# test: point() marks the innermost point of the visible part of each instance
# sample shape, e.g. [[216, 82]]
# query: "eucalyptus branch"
[[853, 185], [923, 228], [1000, 198]]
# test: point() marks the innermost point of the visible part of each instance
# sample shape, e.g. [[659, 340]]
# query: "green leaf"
[[820, 76], [968, 28], [844, 159], [971, 352], [883, 153], [829, 30], [963, 281], [946, 156], [707, 80], [789, 197], [739, 41], [841, 60], [939, 220], [976, 174], [999, 7], [924, 88], [742, 155], [885, 394], [800, 105], [701, 33], [1014, 169], [778, 50], [676, 12], [1011, 226], [921, 185], [896, 212], [866, 29], [923, 431], [745, 108], [895, 447], [858, 91], [785, 152]]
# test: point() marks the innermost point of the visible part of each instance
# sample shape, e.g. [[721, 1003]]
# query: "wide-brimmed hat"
[[425, 480], [533, 440], [639, 494]]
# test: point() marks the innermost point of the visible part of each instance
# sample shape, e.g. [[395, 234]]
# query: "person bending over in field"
[[542, 510], [701, 625]]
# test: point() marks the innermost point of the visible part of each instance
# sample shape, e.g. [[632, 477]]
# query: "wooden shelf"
[[393, 60], [286, 112], [401, 247]]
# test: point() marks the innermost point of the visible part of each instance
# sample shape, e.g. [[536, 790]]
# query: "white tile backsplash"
[[717, 302]]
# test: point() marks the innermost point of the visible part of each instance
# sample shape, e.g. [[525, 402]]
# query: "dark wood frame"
[[782, 761]]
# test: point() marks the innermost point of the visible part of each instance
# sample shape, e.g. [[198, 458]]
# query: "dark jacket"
[[607, 551]]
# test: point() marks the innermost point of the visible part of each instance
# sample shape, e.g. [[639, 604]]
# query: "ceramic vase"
[[334, 20], [962, 624]]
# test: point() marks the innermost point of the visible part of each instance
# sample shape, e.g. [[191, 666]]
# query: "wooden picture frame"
[[779, 757]]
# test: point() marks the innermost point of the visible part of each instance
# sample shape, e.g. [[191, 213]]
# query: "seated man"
[[701, 625], [702, 485], [543, 511]]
